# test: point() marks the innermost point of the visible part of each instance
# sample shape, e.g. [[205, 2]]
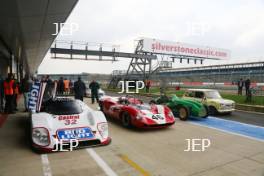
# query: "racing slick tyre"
[[183, 113], [126, 120], [212, 110]]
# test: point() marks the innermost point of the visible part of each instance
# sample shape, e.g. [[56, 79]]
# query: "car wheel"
[[126, 120], [212, 110], [183, 113]]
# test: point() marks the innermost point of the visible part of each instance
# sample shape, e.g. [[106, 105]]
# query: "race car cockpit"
[[123, 100]]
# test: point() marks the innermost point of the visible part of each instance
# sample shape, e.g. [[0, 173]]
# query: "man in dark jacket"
[[240, 85], [94, 86], [60, 87], [247, 86], [26, 85], [79, 89]]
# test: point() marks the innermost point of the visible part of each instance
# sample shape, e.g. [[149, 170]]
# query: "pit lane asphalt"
[[239, 116], [135, 152]]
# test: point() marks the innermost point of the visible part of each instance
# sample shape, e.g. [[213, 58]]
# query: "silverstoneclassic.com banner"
[[185, 49]]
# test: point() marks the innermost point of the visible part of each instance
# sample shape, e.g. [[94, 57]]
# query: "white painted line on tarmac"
[[228, 132], [45, 165], [101, 162]]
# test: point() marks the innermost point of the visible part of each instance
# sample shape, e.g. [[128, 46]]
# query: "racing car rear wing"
[[36, 96], [41, 92]]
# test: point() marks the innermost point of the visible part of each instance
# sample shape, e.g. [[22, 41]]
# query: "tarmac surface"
[[135, 152], [245, 117]]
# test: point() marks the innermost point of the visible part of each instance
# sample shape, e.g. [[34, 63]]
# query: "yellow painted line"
[[134, 165]]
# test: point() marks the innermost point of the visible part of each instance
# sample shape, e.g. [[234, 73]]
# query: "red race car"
[[133, 112]]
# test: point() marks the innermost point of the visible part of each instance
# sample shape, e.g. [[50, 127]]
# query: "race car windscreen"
[[63, 107], [213, 94], [49, 91], [142, 107]]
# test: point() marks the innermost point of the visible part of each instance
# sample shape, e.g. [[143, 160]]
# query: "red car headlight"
[[40, 136], [103, 129]]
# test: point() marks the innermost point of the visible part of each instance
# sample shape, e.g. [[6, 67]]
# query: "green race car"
[[182, 107]]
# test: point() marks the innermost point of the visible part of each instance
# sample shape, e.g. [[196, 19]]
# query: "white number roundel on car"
[[157, 117]]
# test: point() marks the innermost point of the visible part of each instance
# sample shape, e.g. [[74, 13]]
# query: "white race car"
[[61, 121]]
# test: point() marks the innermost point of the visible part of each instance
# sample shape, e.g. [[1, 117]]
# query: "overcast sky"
[[235, 25]]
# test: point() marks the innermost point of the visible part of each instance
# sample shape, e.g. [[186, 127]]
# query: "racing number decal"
[[157, 117], [70, 121]]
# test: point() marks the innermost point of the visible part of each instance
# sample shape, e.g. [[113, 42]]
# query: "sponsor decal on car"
[[69, 119], [75, 133]]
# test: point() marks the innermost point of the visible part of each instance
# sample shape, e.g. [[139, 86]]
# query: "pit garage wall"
[[3, 67], [12, 53], [12, 63], [26, 28]]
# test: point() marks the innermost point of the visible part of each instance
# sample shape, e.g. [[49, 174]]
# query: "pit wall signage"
[[183, 49]]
